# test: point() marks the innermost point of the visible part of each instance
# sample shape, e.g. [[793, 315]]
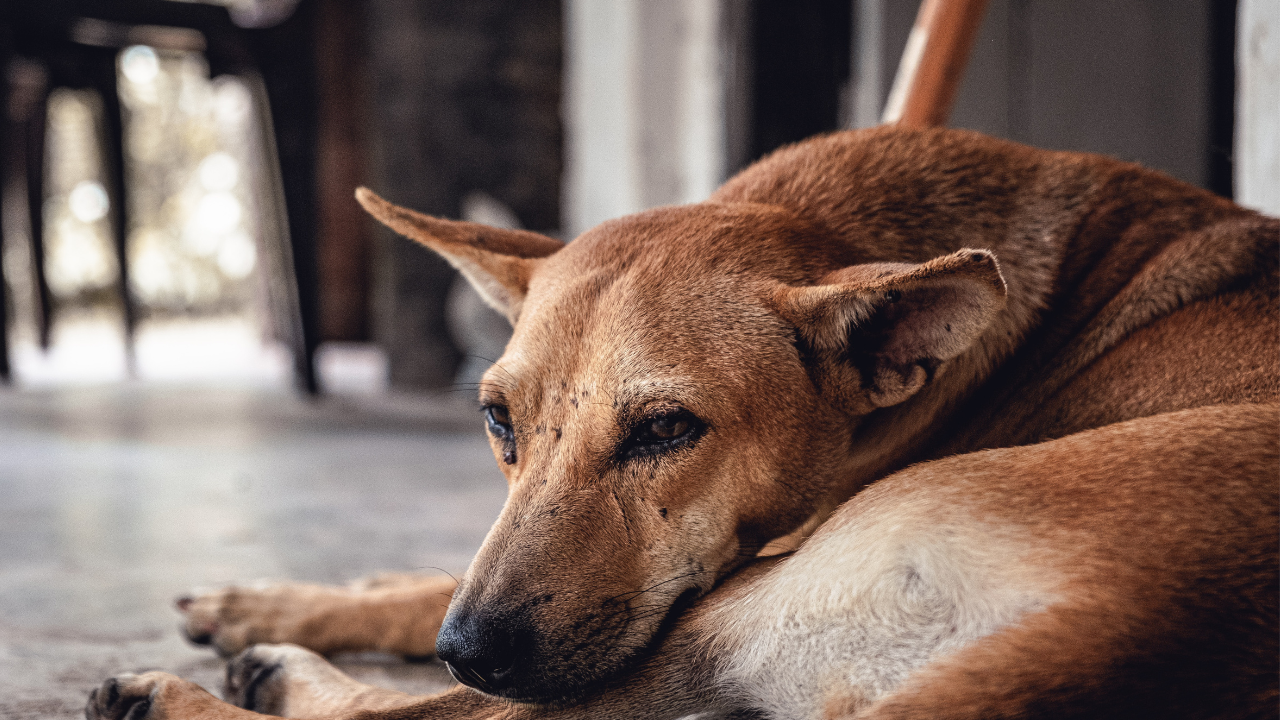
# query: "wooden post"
[[933, 62]]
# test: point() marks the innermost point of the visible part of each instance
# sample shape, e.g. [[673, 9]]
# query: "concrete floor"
[[114, 500]]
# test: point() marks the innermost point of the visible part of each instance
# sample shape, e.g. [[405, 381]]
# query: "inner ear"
[[908, 335], [877, 334]]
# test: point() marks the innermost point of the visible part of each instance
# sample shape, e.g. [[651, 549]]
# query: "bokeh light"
[[140, 64], [219, 171], [88, 201]]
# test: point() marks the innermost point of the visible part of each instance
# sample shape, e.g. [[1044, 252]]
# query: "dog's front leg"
[[291, 681], [674, 682], [161, 696], [282, 680], [397, 614], [158, 696]]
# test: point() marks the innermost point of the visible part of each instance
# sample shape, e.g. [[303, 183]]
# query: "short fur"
[[841, 310]]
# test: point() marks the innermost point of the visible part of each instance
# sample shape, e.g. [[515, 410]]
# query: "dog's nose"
[[480, 651]]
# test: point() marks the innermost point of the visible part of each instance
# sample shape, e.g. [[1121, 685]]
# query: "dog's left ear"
[[498, 262], [874, 335]]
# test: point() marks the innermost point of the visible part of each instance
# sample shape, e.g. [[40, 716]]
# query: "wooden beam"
[[933, 62]]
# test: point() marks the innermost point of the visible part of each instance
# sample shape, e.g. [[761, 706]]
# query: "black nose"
[[480, 651]]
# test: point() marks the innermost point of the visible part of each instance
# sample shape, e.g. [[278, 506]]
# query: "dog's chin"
[[541, 697], [550, 690]]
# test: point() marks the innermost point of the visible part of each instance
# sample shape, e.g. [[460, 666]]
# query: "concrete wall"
[[655, 96]]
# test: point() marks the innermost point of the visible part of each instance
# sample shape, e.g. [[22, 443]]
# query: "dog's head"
[[683, 386]]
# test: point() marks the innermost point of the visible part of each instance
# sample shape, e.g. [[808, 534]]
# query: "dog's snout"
[[480, 650]]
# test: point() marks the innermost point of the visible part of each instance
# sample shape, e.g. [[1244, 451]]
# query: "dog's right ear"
[[873, 335], [498, 262]]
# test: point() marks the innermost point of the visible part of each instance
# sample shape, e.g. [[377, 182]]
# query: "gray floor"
[[114, 500]]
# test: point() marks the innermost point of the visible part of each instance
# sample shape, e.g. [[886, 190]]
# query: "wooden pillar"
[[933, 62]]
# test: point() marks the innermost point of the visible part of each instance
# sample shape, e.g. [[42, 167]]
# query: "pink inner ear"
[[934, 322]]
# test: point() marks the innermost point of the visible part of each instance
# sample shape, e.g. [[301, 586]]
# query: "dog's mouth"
[[473, 678]]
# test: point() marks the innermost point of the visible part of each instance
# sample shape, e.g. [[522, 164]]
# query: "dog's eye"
[[499, 421], [662, 433], [667, 427]]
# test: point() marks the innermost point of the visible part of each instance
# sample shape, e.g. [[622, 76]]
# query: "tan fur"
[[842, 309]]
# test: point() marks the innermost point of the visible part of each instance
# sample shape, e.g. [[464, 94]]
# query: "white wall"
[[644, 106], [1257, 137]]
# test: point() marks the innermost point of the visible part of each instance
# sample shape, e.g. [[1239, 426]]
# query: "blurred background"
[[177, 176], [184, 264]]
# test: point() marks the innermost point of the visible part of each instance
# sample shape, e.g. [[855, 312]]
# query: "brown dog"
[[689, 384]]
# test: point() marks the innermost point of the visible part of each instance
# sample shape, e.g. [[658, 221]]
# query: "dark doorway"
[[801, 61]]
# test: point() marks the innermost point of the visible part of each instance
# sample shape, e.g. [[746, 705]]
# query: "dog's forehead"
[[635, 321], [623, 333], [679, 244]]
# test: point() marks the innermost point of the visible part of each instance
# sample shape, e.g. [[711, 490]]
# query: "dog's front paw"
[[258, 678], [155, 696], [124, 696], [291, 681]]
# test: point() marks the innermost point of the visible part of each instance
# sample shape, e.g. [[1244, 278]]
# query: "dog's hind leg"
[[1034, 582], [397, 614]]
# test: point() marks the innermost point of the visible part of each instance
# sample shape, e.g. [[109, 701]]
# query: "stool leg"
[[6, 132], [285, 59], [105, 83], [33, 166]]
